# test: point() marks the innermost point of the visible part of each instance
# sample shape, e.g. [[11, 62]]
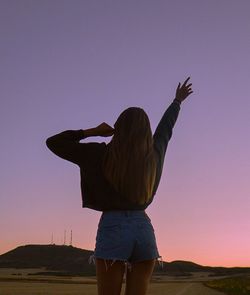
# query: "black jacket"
[[97, 192]]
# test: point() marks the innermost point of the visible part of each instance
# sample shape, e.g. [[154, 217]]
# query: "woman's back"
[[121, 179]]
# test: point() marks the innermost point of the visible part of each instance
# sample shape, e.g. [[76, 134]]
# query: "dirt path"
[[185, 289], [181, 289], [198, 289], [38, 288]]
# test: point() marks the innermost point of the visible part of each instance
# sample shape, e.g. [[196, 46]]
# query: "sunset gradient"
[[75, 64]]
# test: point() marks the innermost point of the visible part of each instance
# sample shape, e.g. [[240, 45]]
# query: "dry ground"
[[17, 282], [88, 289]]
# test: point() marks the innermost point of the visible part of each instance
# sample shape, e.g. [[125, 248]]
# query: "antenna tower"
[[71, 237], [64, 239]]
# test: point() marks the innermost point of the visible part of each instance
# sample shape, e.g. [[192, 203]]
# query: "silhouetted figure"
[[121, 178]]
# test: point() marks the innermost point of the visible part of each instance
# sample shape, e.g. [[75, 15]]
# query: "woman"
[[120, 179]]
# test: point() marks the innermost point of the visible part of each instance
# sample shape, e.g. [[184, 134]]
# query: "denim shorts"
[[127, 236]]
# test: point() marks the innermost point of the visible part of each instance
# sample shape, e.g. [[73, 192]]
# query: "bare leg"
[[139, 277], [109, 276]]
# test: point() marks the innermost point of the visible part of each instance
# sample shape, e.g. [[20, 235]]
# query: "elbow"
[[49, 143]]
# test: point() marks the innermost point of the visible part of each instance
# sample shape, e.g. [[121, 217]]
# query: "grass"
[[231, 286]]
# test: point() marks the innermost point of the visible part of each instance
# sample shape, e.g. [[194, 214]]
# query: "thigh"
[[139, 276], [109, 276]]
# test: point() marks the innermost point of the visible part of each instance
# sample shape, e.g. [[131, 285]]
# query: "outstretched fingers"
[[189, 87], [183, 90], [185, 82], [179, 86]]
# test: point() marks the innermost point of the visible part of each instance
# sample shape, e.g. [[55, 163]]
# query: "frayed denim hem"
[[160, 261], [128, 265]]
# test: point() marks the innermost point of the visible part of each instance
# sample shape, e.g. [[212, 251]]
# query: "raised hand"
[[104, 130], [183, 91]]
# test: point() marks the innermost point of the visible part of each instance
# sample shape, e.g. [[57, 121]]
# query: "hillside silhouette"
[[72, 260], [50, 257]]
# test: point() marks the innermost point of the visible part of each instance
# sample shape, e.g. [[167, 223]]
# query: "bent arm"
[[66, 144]]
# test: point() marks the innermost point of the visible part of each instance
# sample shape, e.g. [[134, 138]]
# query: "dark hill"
[[180, 267], [51, 257], [185, 266], [76, 261]]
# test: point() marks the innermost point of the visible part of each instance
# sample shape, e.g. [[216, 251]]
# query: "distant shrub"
[[231, 286]]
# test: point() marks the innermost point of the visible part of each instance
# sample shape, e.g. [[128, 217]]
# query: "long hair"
[[130, 163]]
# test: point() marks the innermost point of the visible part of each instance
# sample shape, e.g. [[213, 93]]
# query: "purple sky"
[[74, 64]]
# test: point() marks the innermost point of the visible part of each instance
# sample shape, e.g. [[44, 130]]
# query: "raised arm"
[[163, 132], [164, 129], [66, 144]]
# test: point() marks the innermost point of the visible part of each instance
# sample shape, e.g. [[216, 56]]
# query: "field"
[[232, 286], [22, 282]]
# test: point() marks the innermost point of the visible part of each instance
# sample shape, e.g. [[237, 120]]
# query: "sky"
[[75, 64]]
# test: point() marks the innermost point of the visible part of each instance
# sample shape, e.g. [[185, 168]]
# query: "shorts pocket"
[[146, 224], [108, 237], [147, 234]]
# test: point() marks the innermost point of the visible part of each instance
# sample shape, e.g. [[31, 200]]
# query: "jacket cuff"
[[177, 101]]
